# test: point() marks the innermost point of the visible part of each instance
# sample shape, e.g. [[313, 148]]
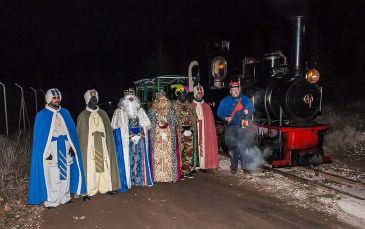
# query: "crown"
[[93, 93], [130, 91], [160, 94]]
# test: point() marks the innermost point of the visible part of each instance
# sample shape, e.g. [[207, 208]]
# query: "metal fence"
[[18, 107]]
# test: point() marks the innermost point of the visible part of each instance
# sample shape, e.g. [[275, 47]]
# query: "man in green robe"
[[98, 149]]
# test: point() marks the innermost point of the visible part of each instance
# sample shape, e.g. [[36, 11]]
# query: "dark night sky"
[[77, 45]]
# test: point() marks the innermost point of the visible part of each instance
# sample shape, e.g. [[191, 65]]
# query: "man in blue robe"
[[234, 110], [56, 165]]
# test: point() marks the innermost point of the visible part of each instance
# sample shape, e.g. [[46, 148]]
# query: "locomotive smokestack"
[[297, 57]]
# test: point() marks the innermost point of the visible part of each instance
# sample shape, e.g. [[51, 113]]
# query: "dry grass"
[[346, 138], [14, 166], [15, 156]]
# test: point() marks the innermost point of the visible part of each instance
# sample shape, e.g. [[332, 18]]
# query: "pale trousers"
[[99, 182], [58, 190]]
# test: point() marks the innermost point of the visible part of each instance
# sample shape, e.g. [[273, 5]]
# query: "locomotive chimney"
[[297, 57]]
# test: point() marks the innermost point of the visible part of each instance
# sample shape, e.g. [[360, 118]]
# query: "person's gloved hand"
[[229, 119], [135, 139], [187, 133]]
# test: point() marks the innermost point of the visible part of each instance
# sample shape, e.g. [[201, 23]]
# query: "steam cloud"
[[251, 156]]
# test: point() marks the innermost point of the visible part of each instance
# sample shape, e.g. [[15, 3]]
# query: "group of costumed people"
[[135, 148]]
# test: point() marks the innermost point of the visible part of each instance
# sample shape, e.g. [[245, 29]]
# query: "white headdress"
[[53, 92], [90, 93], [197, 89]]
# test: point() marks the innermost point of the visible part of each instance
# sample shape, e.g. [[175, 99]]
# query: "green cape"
[[83, 132]]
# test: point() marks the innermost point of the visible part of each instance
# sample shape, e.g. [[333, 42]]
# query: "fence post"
[[21, 111], [6, 110], [36, 100], [44, 94]]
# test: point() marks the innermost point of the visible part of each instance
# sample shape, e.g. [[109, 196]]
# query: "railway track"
[[329, 181]]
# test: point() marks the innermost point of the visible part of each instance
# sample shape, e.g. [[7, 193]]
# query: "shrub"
[[347, 130], [15, 156]]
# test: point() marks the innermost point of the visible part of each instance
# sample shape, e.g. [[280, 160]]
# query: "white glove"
[[135, 139], [163, 136], [187, 133]]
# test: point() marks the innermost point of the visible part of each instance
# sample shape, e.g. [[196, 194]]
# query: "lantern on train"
[[219, 71]]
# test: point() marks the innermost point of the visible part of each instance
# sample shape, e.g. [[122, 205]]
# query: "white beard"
[[131, 107]]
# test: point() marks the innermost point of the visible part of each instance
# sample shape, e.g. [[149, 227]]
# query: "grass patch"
[[15, 154], [347, 130]]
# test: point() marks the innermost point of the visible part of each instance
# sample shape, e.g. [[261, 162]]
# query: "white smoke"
[[246, 141], [256, 157], [131, 104]]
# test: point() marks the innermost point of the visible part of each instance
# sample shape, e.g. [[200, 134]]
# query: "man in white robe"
[[56, 170], [131, 123]]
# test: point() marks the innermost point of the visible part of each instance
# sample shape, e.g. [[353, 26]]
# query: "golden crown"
[[130, 91], [160, 94]]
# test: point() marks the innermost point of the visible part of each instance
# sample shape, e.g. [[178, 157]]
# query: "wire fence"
[[18, 107]]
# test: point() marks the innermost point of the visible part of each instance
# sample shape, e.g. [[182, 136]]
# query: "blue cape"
[[120, 158], [37, 193]]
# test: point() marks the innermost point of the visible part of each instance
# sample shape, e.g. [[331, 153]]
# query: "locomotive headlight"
[[312, 76], [219, 68]]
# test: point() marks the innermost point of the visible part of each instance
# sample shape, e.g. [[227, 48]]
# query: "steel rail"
[[310, 182], [332, 175]]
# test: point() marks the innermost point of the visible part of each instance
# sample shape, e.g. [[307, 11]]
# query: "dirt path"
[[203, 202]]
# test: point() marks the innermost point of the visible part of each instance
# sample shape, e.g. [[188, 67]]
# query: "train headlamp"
[[219, 68], [312, 76]]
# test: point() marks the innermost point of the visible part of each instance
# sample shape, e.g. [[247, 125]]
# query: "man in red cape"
[[207, 136]]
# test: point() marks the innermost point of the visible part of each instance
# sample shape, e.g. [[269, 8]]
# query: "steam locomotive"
[[287, 97]]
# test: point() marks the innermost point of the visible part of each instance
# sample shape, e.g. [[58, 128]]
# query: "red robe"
[[207, 137]]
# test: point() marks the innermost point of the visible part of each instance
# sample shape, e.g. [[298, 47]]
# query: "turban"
[[54, 92], [90, 93]]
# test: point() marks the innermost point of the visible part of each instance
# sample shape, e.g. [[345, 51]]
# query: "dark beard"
[[54, 106]]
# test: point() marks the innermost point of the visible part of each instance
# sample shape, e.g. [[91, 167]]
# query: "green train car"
[[147, 88]]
